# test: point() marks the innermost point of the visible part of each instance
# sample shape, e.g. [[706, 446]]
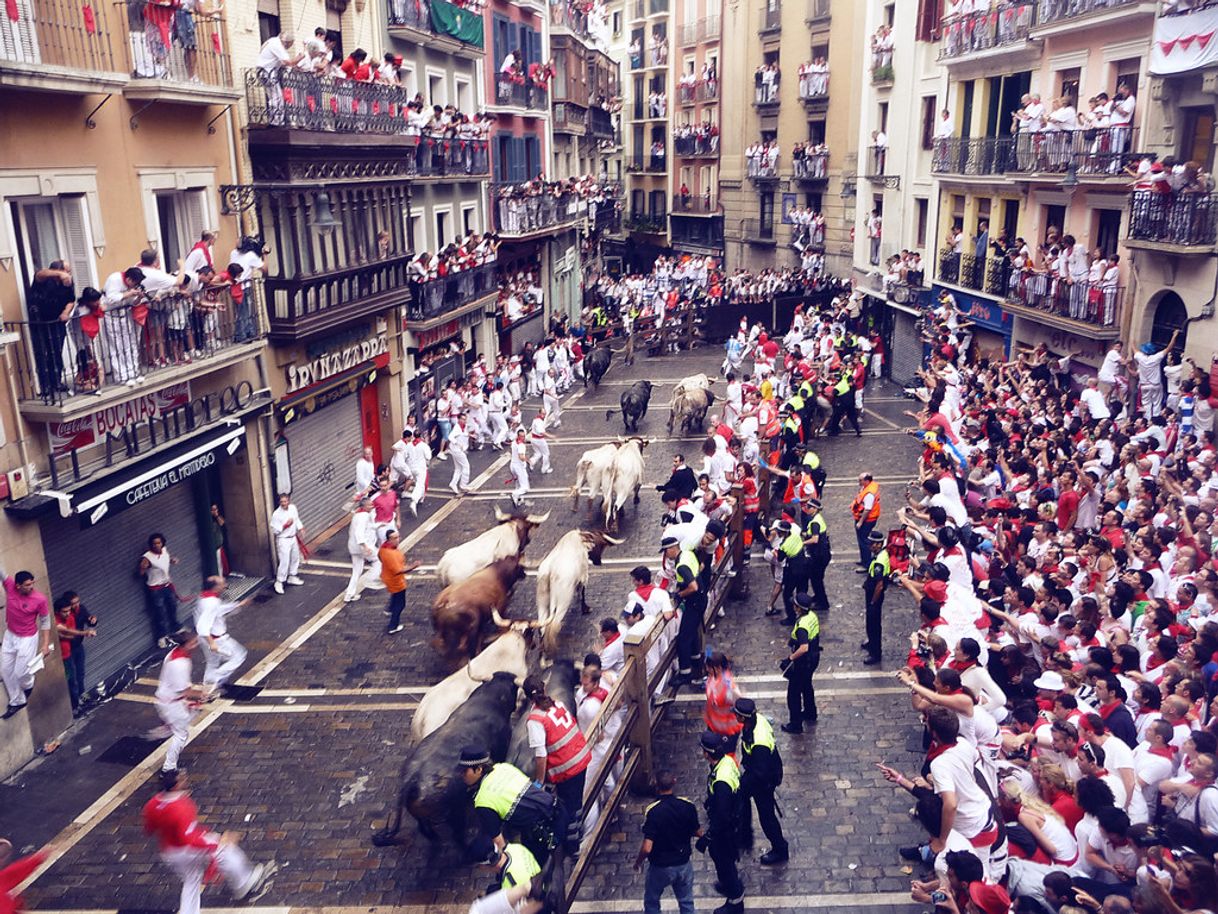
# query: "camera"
[[938, 896]]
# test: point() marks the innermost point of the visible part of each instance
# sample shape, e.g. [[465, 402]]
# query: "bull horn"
[[500, 516], [538, 518], [611, 541], [500, 621]]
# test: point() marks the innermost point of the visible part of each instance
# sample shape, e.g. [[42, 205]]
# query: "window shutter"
[[497, 165], [76, 240], [195, 205], [19, 38], [532, 148]]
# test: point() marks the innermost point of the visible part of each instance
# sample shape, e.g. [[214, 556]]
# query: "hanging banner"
[[463, 24], [1185, 42]]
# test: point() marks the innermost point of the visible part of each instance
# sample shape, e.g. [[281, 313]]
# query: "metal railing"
[[1089, 303], [568, 116], [604, 216], [649, 223], [771, 16], [766, 93], [416, 14], [814, 87], [813, 167], [649, 163], [703, 205], [808, 237], [448, 157], [757, 229], [701, 91], [988, 272], [54, 33], [570, 16], [693, 146], [1098, 151], [877, 161], [288, 97], [435, 297], [165, 41], [600, 123], [299, 298], [761, 167], [705, 29], [949, 266], [1185, 219], [1050, 11], [1008, 23], [523, 215], [519, 91], [817, 10], [973, 156], [135, 342]]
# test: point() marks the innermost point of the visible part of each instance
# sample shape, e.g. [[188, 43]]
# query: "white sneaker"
[[239, 892], [295, 580], [394, 631], [413, 510], [454, 490], [278, 587], [347, 599], [130, 382], [444, 455]]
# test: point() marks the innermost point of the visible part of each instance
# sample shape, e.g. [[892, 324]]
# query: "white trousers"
[[289, 557], [553, 408], [498, 428], [221, 663], [360, 563], [190, 864], [177, 716], [460, 469], [521, 472], [16, 652], [419, 489], [541, 451], [1152, 399]]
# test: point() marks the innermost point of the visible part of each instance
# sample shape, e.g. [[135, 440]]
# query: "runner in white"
[[223, 653]]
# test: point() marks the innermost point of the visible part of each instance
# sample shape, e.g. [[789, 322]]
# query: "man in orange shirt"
[[393, 572]]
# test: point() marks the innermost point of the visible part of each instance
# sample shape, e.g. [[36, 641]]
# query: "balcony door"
[[50, 229], [182, 219]]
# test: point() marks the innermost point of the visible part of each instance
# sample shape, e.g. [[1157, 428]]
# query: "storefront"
[[332, 409], [992, 324], [903, 339]]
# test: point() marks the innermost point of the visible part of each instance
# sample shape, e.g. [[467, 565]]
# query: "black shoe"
[[772, 612], [29, 691], [792, 728], [865, 646], [810, 719], [913, 854], [13, 711], [729, 907], [774, 857], [871, 659], [860, 570]]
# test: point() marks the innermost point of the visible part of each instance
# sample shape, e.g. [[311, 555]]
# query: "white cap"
[[1051, 681]]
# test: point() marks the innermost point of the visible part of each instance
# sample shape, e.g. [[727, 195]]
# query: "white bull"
[[594, 470], [506, 654], [508, 538], [562, 576], [627, 478], [693, 382]]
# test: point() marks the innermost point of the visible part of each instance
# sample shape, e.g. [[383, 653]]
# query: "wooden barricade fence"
[[630, 701]]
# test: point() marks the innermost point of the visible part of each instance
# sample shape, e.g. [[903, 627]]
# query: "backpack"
[[897, 545]]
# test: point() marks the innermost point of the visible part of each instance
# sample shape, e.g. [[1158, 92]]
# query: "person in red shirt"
[[1067, 502], [194, 853], [13, 875], [356, 66]]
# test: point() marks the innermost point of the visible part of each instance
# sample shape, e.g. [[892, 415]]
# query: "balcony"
[[307, 305], [972, 156], [50, 47], [694, 206], [818, 12], [808, 169], [446, 157], [641, 9], [650, 164], [814, 89], [570, 16], [599, 123], [69, 369], [701, 91], [705, 29], [1180, 223], [702, 236], [758, 231], [295, 100], [1093, 309], [1096, 155], [441, 297], [457, 25], [520, 214], [696, 147], [989, 274], [761, 168], [986, 31], [176, 56], [513, 90], [655, 223], [1054, 17], [766, 95], [808, 237], [877, 167], [605, 216], [570, 118], [771, 17]]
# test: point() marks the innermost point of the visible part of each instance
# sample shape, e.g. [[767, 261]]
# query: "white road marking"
[[825, 693]]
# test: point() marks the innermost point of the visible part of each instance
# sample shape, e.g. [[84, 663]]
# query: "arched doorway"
[[1170, 316]]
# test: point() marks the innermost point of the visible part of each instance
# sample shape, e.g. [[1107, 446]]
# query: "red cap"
[[991, 899], [936, 590]]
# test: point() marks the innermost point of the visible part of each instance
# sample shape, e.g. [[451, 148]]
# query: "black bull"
[[596, 363], [431, 788], [634, 405]]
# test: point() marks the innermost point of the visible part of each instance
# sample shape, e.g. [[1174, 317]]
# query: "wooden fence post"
[[639, 693]]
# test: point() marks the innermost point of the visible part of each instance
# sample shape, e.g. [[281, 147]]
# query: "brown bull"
[[462, 610]]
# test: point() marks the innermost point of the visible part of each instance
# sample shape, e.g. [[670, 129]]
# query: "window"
[[930, 14], [1107, 230], [268, 19], [890, 13], [465, 95], [1127, 71], [1067, 82], [50, 229], [816, 131], [813, 202], [765, 213], [657, 203], [1010, 218], [1198, 136], [182, 219], [884, 116], [617, 23], [418, 234], [437, 90], [930, 106], [410, 79], [921, 221], [1054, 218], [444, 217]]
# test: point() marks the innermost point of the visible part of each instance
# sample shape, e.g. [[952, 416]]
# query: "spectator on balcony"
[[247, 255], [318, 52], [120, 294], [1121, 120], [201, 254], [635, 51], [86, 328], [875, 231], [50, 301], [356, 66], [278, 52], [879, 149]]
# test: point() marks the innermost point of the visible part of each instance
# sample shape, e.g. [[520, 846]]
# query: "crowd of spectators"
[[977, 25], [687, 85], [528, 205], [761, 159], [696, 139], [810, 160], [814, 78], [766, 79], [809, 227], [520, 293], [903, 269], [881, 52]]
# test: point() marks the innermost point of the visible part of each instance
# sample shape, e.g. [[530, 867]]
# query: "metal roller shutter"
[[101, 564], [322, 450], [906, 348]]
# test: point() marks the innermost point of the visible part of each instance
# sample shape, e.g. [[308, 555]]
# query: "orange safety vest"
[[567, 753], [720, 702], [856, 506]]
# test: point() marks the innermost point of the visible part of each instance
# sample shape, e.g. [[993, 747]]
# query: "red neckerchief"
[[1168, 752], [179, 653], [644, 591], [983, 621], [616, 635], [936, 750], [208, 593], [202, 246], [961, 665], [935, 623], [1107, 709], [1154, 663]]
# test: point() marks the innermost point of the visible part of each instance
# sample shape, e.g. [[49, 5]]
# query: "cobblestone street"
[[306, 769]]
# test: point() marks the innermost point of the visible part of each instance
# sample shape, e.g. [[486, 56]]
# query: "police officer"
[[818, 551], [803, 657], [761, 777], [504, 796], [514, 865], [789, 436], [873, 596], [843, 404], [690, 598], [723, 812], [794, 572]]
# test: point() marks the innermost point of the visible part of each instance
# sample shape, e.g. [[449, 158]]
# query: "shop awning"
[[146, 478]]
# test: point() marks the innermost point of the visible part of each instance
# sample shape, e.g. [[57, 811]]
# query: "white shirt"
[[1094, 401], [361, 535], [210, 615], [158, 568], [613, 655], [1108, 371], [1148, 367], [953, 770], [174, 678], [273, 54], [537, 428], [281, 517], [417, 455], [365, 472], [458, 439]]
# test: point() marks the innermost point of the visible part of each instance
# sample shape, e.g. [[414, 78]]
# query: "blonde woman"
[[1054, 843]]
